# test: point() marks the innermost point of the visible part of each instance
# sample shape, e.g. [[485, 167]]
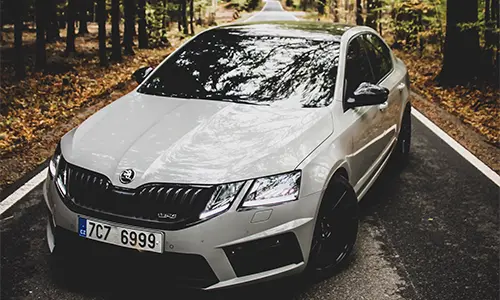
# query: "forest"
[[452, 29], [62, 60]]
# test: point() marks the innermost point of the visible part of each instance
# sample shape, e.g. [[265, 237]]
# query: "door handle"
[[383, 106], [401, 86]]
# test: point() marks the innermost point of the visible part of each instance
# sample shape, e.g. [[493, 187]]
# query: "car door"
[[363, 122], [382, 66]]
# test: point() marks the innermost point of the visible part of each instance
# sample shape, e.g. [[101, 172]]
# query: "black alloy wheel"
[[336, 229]]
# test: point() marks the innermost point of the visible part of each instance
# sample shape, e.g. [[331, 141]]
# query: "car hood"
[[194, 141]]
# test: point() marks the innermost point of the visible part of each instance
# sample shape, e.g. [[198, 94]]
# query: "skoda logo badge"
[[127, 176]]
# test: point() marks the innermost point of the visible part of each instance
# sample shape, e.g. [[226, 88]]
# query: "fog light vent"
[[264, 254]]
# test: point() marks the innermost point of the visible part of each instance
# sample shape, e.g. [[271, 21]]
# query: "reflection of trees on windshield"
[[238, 65]]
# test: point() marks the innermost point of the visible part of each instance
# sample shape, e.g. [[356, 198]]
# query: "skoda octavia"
[[240, 158]]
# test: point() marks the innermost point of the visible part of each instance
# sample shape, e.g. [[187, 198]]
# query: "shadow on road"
[[100, 278]]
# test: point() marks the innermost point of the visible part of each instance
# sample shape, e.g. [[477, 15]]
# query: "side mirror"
[[141, 74], [368, 94]]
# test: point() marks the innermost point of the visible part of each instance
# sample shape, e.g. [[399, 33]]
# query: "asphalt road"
[[272, 11], [428, 231]]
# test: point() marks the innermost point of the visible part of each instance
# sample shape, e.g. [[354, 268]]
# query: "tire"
[[335, 231], [402, 150]]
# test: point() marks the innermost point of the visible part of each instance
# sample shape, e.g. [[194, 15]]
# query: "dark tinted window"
[[380, 56], [254, 66], [357, 67]]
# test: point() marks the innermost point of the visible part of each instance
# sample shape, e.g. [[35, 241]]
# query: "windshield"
[[242, 66]]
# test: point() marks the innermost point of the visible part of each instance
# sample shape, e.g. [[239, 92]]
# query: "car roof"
[[302, 29]]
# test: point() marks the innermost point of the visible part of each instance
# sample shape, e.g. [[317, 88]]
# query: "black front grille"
[[167, 206]]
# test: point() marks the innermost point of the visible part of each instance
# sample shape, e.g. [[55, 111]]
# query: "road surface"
[[429, 231]]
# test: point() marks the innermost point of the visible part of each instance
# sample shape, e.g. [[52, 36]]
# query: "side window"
[[380, 56], [357, 67]]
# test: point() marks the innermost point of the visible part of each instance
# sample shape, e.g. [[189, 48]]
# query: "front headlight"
[[58, 170], [273, 190], [221, 199], [62, 178], [54, 161]]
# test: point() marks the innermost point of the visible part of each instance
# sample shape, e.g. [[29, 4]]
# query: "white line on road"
[[483, 168], [22, 191]]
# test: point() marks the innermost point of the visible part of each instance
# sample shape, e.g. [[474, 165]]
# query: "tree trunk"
[[184, 16], [489, 39], [143, 34], [101, 16], [179, 21], [334, 9], [116, 50], [128, 35], [461, 47], [70, 37], [52, 28], [371, 14], [496, 21], [83, 17], [165, 14], [18, 38], [191, 16], [92, 11], [41, 14], [359, 11]]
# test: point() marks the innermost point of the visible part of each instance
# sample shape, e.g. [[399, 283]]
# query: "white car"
[[240, 158]]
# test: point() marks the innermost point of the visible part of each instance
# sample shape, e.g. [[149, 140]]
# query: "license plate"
[[142, 240]]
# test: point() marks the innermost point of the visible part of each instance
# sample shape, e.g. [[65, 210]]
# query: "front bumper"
[[234, 248]]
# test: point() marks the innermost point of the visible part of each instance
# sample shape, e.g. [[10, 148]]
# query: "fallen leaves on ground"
[[480, 108], [32, 107]]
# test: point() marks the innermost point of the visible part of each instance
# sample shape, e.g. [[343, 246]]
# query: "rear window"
[[242, 66]]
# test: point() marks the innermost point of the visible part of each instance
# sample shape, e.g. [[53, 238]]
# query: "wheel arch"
[[341, 170]]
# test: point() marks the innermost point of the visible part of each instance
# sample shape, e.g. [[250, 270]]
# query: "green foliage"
[[320, 5], [416, 23], [483, 26], [252, 4], [156, 18]]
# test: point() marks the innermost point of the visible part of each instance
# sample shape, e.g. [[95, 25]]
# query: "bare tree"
[[41, 14], [116, 50], [359, 11], [372, 10], [491, 40], [143, 34], [461, 46], [70, 37], [128, 35], [191, 16], [101, 19], [83, 17], [184, 16], [18, 38], [52, 26]]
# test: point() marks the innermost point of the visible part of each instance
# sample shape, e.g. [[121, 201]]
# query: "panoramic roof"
[[309, 30]]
